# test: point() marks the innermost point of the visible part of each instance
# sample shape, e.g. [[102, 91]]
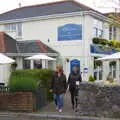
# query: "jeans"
[[58, 98]]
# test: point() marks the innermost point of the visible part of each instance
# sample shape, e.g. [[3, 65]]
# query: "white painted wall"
[[47, 29], [77, 49]]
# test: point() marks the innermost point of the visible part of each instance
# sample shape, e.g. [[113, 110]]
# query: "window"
[[112, 32], [14, 27], [98, 28], [19, 29], [98, 69], [112, 66]]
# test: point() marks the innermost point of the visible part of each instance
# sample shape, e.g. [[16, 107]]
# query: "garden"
[[28, 90]]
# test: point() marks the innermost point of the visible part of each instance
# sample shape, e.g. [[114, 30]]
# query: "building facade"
[[67, 27]]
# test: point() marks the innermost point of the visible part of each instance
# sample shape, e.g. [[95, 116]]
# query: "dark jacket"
[[58, 84], [73, 77]]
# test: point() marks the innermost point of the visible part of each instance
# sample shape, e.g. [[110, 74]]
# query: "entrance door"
[[73, 63]]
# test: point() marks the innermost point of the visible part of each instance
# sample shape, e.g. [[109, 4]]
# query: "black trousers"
[[74, 96]]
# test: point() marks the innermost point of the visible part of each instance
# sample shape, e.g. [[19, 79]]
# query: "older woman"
[[58, 87]]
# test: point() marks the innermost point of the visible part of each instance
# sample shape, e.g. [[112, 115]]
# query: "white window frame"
[[14, 27]]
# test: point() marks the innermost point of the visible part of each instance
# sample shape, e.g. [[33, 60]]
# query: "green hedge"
[[30, 80], [111, 43], [100, 41]]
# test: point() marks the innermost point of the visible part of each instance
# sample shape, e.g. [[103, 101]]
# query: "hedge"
[[111, 43], [30, 80]]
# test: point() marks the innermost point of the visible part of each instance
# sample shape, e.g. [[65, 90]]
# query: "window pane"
[[19, 29]]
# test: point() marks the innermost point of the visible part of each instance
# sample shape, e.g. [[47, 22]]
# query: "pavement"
[[67, 109]]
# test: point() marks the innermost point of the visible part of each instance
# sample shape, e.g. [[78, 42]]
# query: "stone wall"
[[99, 100], [18, 101]]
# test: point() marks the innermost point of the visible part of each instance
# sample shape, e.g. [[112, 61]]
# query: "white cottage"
[[67, 27]]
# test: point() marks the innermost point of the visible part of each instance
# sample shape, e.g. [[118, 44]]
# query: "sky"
[[100, 5]]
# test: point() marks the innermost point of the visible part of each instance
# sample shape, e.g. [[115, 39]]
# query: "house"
[[19, 50], [67, 27]]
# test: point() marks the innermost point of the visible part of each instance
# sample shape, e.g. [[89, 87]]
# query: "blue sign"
[[85, 70], [73, 63], [70, 32]]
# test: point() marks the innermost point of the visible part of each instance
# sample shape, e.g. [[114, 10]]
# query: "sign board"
[[70, 32], [85, 70]]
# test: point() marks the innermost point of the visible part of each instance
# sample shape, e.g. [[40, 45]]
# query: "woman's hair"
[[60, 68]]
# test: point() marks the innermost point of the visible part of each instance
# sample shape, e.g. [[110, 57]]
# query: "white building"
[[68, 27]]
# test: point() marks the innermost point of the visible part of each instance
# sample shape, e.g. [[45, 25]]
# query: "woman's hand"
[[51, 90]]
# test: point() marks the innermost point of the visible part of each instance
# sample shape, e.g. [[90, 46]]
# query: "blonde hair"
[[60, 68]]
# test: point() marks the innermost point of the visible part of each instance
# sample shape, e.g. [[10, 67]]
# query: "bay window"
[[14, 27]]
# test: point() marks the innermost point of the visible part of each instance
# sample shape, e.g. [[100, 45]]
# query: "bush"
[[114, 43], [103, 42], [100, 41], [96, 40], [30, 80], [91, 79]]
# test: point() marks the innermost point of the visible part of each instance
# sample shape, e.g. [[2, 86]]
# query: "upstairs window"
[[98, 28], [112, 32], [14, 27]]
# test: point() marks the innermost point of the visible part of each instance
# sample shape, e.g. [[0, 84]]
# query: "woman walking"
[[58, 87], [74, 82]]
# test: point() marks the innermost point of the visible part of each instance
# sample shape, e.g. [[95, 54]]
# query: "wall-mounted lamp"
[[67, 60], [48, 40]]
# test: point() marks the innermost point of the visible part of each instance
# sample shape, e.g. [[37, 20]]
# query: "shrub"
[[30, 80], [100, 41], [103, 42], [91, 79], [20, 81], [96, 40]]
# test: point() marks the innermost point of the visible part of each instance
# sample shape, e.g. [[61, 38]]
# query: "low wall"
[[99, 100], [18, 101]]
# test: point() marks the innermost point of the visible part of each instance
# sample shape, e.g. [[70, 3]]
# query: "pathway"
[[67, 106]]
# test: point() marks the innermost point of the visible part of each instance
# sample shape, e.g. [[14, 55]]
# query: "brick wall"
[[18, 101]]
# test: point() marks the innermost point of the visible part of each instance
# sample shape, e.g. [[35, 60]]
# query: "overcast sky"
[[100, 5]]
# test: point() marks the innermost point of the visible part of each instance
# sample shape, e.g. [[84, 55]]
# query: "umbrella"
[[115, 56], [40, 57], [5, 60]]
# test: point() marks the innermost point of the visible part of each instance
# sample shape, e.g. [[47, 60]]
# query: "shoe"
[[76, 110], [60, 110], [57, 108]]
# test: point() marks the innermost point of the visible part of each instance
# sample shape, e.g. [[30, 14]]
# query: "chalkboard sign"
[[70, 32]]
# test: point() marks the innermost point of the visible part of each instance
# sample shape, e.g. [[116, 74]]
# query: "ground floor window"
[[112, 68], [26, 64], [37, 64], [98, 69]]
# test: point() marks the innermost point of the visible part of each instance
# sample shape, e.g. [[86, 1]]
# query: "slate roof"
[[33, 46], [10, 45], [60, 7]]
